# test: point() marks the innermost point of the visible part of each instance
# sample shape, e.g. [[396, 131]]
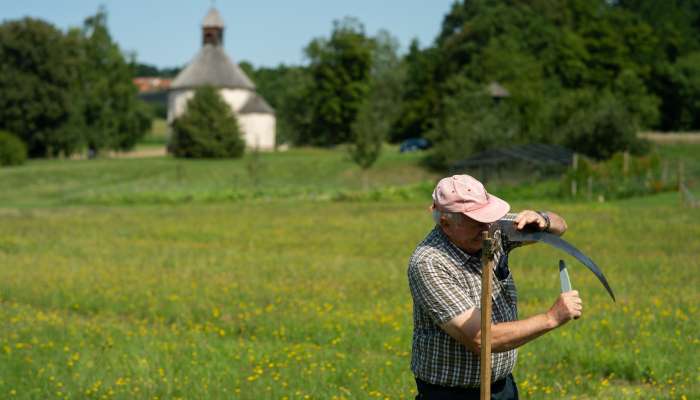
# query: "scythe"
[[509, 232]]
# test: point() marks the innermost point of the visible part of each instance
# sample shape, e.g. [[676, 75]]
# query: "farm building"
[[211, 66]]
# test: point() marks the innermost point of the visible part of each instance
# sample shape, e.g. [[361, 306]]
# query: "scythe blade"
[[511, 233]]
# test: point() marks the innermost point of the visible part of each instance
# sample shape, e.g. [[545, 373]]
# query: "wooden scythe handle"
[[486, 289]]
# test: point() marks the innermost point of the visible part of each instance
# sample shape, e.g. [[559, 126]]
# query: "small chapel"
[[211, 66]]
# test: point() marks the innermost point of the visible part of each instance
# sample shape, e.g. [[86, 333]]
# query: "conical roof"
[[211, 66], [213, 19], [256, 105]]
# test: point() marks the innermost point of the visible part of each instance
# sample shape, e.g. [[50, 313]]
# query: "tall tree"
[[38, 75], [381, 106], [340, 72], [420, 97], [114, 117]]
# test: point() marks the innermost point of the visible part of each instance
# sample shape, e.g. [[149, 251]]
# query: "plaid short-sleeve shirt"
[[445, 281]]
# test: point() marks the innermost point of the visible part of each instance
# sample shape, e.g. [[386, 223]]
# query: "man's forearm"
[[466, 328], [510, 335]]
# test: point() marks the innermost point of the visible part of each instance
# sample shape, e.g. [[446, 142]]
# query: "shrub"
[[602, 128], [207, 129], [12, 150]]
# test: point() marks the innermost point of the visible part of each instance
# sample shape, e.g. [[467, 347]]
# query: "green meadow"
[[277, 276]]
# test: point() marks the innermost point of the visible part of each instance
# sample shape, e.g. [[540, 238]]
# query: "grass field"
[[304, 173], [298, 297]]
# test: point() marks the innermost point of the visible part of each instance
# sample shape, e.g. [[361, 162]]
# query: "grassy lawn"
[[162, 278], [301, 173], [295, 298]]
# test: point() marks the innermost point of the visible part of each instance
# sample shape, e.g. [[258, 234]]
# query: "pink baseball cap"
[[466, 195]]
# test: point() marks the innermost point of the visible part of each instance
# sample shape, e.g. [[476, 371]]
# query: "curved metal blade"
[[508, 229], [564, 279]]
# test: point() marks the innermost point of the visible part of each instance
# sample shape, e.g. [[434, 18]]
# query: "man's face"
[[464, 232]]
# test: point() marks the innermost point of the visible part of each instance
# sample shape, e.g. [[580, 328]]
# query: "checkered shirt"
[[446, 281]]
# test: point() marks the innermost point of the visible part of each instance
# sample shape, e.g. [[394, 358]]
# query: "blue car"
[[414, 144]]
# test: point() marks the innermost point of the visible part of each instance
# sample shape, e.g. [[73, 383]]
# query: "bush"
[[12, 150], [601, 128], [208, 129]]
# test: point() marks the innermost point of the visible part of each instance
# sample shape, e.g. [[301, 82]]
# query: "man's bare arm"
[[466, 327], [557, 225]]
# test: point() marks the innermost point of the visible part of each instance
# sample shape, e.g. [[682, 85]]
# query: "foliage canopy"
[[340, 71], [39, 77], [114, 117], [637, 55], [63, 92]]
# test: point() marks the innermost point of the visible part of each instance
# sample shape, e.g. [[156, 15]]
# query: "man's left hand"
[[532, 218]]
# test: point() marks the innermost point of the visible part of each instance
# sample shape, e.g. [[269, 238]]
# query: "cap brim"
[[491, 212]]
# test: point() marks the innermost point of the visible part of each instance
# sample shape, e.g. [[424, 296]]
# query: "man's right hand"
[[567, 307]]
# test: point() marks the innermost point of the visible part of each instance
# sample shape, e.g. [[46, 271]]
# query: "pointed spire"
[[213, 28], [213, 19]]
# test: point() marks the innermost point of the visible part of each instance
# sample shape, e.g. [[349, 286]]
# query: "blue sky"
[[265, 32]]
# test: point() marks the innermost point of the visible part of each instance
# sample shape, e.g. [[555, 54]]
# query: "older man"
[[444, 275]]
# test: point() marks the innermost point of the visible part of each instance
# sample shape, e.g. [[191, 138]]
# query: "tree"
[[543, 51], [207, 129], [679, 86], [285, 88], [473, 122], [381, 106], [367, 136], [141, 69], [420, 97], [114, 117], [340, 71], [599, 126], [39, 70]]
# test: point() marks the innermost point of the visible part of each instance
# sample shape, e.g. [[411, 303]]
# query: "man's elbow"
[[475, 348], [473, 344], [465, 329]]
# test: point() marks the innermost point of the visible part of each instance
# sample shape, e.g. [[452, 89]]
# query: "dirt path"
[[140, 153], [669, 138]]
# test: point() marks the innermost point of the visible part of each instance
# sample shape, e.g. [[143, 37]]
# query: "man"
[[444, 276]]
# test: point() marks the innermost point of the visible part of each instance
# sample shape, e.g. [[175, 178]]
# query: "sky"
[[167, 33]]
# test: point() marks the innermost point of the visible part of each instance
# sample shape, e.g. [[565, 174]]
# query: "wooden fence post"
[[589, 192], [574, 183], [664, 173]]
